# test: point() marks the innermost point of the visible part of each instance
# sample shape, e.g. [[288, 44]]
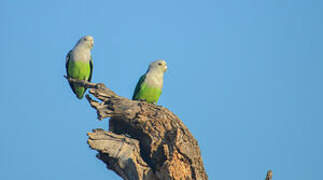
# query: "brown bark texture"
[[144, 141], [269, 175]]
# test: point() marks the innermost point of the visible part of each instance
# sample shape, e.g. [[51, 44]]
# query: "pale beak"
[[165, 68]]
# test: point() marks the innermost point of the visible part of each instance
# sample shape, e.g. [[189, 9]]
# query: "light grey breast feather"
[[81, 53], [154, 79]]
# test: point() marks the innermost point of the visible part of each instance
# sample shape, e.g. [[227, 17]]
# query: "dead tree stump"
[[144, 141]]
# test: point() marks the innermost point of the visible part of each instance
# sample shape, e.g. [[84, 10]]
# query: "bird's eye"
[[160, 64]]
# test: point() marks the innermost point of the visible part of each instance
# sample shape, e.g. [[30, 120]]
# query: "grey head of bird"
[[87, 41], [158, 65]]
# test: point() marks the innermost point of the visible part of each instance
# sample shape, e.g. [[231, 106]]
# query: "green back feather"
[[138, 86]]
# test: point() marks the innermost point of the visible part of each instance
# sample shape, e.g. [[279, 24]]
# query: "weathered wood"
[[120, 153], [269, 175], [145, 141]]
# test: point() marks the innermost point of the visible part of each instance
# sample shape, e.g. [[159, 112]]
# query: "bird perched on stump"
[[79, 64], [149, 86]]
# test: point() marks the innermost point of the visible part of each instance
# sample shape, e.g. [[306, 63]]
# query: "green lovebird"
[[149, 86], [79, 64]]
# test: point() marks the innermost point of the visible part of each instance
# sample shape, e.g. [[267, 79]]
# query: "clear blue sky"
[[244, 76]]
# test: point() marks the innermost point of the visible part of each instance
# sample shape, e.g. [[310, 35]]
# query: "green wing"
[[68, 57], [138, 86], [91, 70]]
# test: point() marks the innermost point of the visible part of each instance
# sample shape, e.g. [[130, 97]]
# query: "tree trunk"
[[144, 141]]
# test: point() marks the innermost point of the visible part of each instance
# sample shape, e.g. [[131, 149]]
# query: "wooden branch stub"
[[84, 83], [145, 141], [269, 175], [120, 153]]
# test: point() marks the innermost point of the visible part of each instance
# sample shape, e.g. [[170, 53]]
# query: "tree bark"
[[144, 141], [269, 175]]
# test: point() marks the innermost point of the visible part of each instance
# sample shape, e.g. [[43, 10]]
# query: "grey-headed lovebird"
[[150, 85], [79, 64]]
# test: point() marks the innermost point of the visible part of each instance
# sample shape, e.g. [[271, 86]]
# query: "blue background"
[[244, 76]]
